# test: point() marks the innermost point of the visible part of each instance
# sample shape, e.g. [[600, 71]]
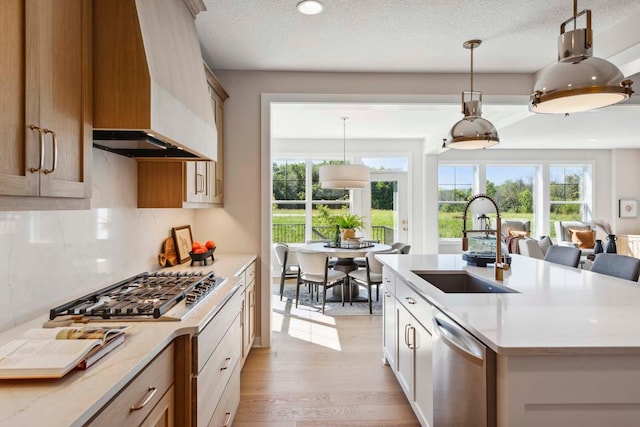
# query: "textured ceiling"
[[425, 36], [393, 35]]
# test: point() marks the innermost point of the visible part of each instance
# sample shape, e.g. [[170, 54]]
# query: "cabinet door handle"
[[412, 332], [388, 295], [406, 334], [54, 139], [41, 132], [147, 397], [227, 362], [227, 419], [198, 186], [410, 300]]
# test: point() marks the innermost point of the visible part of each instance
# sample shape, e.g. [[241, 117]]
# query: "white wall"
[[49, 257], [625, 168]]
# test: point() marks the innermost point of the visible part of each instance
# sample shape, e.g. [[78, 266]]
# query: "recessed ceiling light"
[[310, 7]]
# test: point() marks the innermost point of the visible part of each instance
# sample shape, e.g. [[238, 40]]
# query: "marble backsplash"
[[49, 257]]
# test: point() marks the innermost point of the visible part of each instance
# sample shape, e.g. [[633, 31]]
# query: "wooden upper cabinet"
[[45, 110], [218, 97]]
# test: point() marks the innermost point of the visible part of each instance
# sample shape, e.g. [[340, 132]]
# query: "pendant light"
[[472, 132], [579, 81], [344, 176]]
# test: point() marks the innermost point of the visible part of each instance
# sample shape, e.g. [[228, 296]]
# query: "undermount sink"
[[461, 283]]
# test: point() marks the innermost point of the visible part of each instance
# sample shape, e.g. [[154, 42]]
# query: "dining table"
[[346, 254]]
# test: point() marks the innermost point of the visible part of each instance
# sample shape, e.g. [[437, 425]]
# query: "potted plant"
[[349, 223]]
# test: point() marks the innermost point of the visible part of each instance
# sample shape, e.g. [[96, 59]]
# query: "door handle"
[[147, 397], [412, 331], [457, 338], [41, 164], [406, 334], [54, 139], [410, 300]]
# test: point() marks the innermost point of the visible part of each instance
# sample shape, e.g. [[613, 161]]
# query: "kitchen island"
[[80, 396], [567, 341]]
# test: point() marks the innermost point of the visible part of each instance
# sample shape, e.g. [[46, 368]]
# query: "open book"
[[51, 353]]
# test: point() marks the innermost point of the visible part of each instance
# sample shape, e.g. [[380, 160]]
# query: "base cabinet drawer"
[[215, 374], [207, 341], [138, 398], [228, 406]]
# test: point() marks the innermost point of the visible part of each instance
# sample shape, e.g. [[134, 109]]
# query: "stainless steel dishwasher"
[[464, 377]]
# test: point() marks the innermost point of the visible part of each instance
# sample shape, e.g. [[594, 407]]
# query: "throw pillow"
[[517, 233], [584, 238]]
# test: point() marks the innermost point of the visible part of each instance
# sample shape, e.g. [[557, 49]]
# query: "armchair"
[[516, 225], [563, 236]]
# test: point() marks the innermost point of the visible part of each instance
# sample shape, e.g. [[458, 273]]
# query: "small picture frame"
[[628, 208], [183, 241]]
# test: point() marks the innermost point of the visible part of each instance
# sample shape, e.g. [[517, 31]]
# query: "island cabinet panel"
[[389, 280], [414, 331], [138, 399], [568, 390], [389, 333], [46, 105]]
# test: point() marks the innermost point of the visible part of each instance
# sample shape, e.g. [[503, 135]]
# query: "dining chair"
[[370, 276], [395, 249], [565, 255], [288, 269], [622, 266], [314, 270]]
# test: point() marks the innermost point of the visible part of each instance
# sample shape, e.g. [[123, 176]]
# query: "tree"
[[382, 195]]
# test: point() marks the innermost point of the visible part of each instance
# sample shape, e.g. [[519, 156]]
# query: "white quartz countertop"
[[558, 309], [75, 398]]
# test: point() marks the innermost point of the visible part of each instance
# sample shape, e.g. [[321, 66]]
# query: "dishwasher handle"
[[457, 338]]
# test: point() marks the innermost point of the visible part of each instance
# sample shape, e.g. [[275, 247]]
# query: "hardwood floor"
[[321, 371]]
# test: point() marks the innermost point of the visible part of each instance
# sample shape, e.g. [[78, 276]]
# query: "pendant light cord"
[[575, 13]]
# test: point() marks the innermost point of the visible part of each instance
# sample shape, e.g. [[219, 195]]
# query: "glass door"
[[384, 205]]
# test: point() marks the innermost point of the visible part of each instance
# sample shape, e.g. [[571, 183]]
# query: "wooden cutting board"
[[168, 253]]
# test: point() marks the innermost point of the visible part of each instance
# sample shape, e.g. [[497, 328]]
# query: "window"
[[567, 194], [516, 190], [288, 206], [512, 187], [455, 186], [299, 204]]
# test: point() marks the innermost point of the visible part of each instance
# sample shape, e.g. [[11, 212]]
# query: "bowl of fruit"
[[201, 253]]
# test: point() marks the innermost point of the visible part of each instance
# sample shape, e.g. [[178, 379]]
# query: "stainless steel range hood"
[[150, 92]]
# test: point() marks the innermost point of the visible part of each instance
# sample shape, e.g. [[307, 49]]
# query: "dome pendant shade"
[[344, 176], [472, 132], [579, 81]]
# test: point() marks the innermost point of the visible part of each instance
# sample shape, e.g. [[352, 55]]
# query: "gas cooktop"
[[147, 296]]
